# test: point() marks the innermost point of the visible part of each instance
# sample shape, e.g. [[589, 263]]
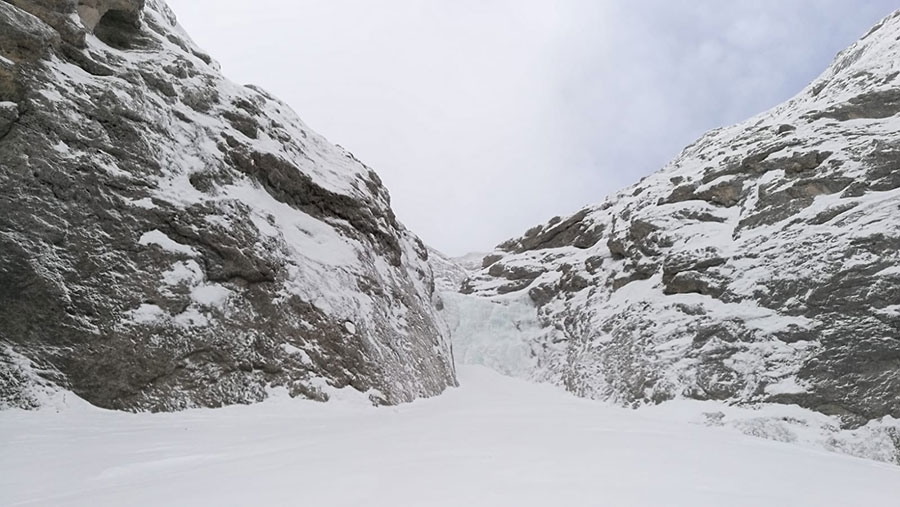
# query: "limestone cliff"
[[169, 239]]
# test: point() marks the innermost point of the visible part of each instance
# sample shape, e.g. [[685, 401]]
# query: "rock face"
[[169, 239], [760, 266]]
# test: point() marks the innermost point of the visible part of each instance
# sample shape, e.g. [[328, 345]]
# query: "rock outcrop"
[[169, 239], [760, 266]]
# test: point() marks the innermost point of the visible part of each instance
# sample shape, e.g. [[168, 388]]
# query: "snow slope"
[[495, 441]]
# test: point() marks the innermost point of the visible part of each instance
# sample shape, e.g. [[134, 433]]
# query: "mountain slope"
[[762, 265], [169, 239]]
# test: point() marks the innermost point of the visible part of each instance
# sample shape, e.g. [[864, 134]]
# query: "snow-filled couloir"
[[761, 266]]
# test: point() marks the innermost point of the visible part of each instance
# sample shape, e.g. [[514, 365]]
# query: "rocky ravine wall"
[[169, 239], [760, 266]]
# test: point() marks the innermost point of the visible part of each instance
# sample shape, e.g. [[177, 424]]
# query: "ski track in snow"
[[495, 441]]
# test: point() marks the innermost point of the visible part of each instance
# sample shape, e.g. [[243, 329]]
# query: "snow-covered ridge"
[[171, 239], [757, 267]]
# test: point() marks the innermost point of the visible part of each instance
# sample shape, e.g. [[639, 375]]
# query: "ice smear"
[[492, 333]]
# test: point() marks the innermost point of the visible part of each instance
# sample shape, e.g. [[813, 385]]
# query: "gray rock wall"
[[169, 239], [760, 266]]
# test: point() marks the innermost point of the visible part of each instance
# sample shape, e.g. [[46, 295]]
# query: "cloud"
[[485, 117]]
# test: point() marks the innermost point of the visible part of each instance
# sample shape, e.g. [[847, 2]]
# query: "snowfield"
[[495, 441]]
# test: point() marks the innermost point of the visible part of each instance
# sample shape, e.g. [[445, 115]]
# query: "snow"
[[786, 423], [183, 272], [889, 311], [891, 271], [785, 386], [211, 295], [296, 351], [145, 203], [495, 441], [147, 314], [191, 318], [159, 238], [307, 237], [23, 375]]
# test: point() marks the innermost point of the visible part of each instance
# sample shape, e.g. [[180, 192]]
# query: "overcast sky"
[[486, 117]]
